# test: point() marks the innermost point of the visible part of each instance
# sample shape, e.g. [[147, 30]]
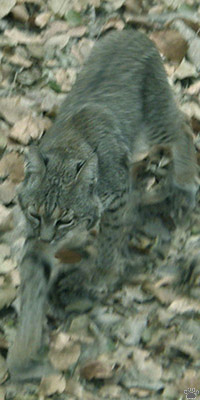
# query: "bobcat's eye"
[[65, 222], [33, 216]]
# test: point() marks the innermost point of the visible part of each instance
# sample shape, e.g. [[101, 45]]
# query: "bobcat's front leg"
[[112, 235], [35, 270]]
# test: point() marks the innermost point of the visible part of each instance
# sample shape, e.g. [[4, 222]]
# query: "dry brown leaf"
[[2, 393], [139, 393], [185, 344], [29, 128], [74, 388], [12, 167], [185, 70], [3, 370], [7, 295], [14, 277], [185, 305], [78, 31], [64, 352], [82, 50], [60, 7], [171, 44], [59, 40], [191, 109], [114, 22], [17, 36], [164, 294], [116, 4], [16, 59], [146, 365], [68, 256], [42, 19], [194, 89], [6, 218], [52, 384], [7, 192], [157, 9], [190, 379], [133, 6], [96, 370], [13, 109], [4, 252], [65, 78], [7, 266], [54, 28], [111, 392], [20, 13], [6, 6]]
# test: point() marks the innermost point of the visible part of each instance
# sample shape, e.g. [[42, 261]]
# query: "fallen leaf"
[[7, 295], [7, 192], [52, 384], [42, 19], [7, 266], [59, 40], [17, 36], [64, 355], [2, 393], [116, 4], [20, 13], [96, 370], [16, 59], [185, 70], [74, 388], [68, 256], [13, 109], [114, 22], [111, 391], [191, 109], [65, 78], [29, 128], [60, 7], [3, 372], [12, 167], [4, 252], [82, 50], [194, 89], [6, 218], [77, 32], [171, 44], [140, 393], [185, 305], [146, 365], [6, 7]]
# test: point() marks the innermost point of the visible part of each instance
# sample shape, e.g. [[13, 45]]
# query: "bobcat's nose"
[[47, 232]]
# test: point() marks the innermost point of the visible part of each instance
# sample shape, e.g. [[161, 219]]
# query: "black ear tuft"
[[88, 172], [79, 166]]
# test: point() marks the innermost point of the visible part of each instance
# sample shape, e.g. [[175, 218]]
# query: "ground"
[[143, 340]]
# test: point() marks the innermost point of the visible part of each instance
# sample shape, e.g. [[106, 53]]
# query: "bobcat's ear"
[[89, 171], [34, 162]]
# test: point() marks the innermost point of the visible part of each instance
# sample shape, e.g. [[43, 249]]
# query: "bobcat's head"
[[58, 194]]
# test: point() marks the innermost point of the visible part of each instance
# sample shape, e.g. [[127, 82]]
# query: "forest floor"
[[143, 340]]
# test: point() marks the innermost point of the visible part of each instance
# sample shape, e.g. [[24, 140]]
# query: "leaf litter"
[[143, 340]]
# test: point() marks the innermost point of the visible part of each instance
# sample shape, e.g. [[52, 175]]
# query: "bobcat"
[[78, 182]]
